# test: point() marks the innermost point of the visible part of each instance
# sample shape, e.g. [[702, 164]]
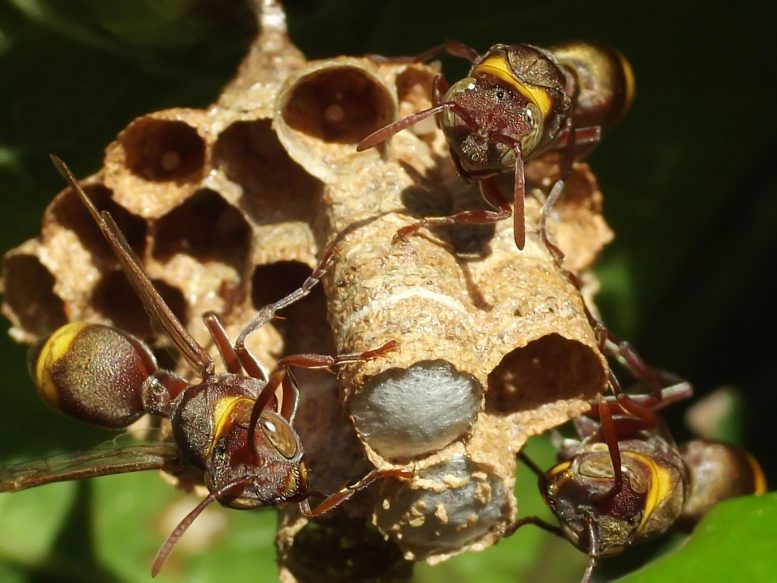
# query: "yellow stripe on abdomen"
[[628, 78], [55, 348], [759, 480]]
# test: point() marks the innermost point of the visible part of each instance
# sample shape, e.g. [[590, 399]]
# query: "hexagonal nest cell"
[[163, 150], [337, 104]]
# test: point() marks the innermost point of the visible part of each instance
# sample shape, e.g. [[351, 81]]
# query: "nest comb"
[[228, 208]]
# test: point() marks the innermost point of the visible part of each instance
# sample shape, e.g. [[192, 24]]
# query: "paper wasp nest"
[[229, 207]]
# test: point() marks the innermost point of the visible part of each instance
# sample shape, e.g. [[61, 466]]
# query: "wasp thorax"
[[93, 373], [204, 413]]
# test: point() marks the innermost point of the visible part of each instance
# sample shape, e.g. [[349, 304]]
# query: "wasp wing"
[[117, 456]]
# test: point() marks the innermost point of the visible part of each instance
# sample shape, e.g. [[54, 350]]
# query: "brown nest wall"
[[229, 208]]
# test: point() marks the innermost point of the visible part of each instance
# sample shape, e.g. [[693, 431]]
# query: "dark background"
[[689, 176]]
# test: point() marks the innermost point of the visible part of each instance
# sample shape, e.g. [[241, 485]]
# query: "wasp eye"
[[597, 466], [531, 140], [280, 434], [500, 94]]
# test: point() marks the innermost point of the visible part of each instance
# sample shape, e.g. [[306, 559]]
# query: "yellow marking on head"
[[561, 472], [759, 480], [559, 468], [628, 77], [54, 349], [221, 414], [498, 66], [660, 486]]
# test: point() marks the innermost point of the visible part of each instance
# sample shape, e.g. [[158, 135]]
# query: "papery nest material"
[[229, 208]]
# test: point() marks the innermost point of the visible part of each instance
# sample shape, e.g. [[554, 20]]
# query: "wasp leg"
[[491, 195], [588, 136], [334, 500], [556, 191], [569, 140], [593, 553], [290, 402], [329, 360], [452, 47], [226, 350], [267, 313], [283, 378], [531, 465], [633, 362], [536, 521]]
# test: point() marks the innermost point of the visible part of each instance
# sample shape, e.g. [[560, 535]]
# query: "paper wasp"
[[518, 102], [227, 428], [625, 481]]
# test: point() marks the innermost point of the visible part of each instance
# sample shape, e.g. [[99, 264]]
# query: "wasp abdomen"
[[602, 82], [717, 472], [93, 373]]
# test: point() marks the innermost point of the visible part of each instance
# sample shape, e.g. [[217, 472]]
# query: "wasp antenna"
[[610, 435], [172, 540], [519, 201], [531, 465], [384, 133]]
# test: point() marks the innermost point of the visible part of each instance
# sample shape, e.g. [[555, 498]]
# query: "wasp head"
[[595, 518], [486, 125], [270, 466]]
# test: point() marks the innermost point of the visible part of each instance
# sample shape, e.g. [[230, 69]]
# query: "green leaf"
[[736, 541], [33, 518]]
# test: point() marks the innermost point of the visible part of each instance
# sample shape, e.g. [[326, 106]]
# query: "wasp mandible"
[[229, 428], [519, 102]]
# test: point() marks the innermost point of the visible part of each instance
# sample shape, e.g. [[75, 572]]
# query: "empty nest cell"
[[338, 104], [206, 227], [341, 550], [302, 325], [163, 150], [548, 369], [250, 155], [29, 295], [114, 298], [67, 212]]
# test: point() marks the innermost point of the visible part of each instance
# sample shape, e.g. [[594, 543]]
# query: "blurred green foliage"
[[690, 189]]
